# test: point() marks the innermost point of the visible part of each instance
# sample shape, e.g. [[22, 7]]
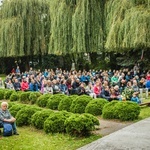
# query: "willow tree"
[[24, 27], [127, 24]]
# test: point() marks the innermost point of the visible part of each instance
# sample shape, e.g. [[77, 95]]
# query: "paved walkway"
[[132, 137]]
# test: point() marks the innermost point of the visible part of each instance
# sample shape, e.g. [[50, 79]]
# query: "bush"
[[95, 106], [2, 94], [66, 103], [15, 108], [55, 122], [79, 125], [14, 96], [24, 115], [43, 99], [39, 118], [54, 101], [8, 94], [10, 104], [127, 110], [109, 110], [33, 98], [24, 97], [78, 105]]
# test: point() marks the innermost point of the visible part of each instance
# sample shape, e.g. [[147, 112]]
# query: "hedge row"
[[79, 104], [53, 122], [121, 110]]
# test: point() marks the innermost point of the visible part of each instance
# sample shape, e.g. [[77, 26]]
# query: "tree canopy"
[[37, 27]]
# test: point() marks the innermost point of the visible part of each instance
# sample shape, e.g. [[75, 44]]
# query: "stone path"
[[132, 137]]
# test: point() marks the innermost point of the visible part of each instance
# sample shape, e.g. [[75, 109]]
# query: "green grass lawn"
[[32, 139]]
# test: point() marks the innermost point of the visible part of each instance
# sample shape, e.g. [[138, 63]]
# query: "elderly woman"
[[6, 117]]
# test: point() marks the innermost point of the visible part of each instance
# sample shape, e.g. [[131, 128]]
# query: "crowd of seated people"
[[103, 83]]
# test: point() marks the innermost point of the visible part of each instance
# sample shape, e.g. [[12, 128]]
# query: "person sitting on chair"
[[6, 117]]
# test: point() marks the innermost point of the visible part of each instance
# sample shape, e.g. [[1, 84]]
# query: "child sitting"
[[135, 98]]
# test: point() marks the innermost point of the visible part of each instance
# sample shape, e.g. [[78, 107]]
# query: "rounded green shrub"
[[38, 119], [79, 124], [54, 101], [14, 96], [127, 110], [43, 99], [32, 98], [15, 108], [66, 102], [55, 122], [93, 118], [109, 110], [24, 97], [8, 94], [10, 104], [79, 104], [2, 91], [95, 106], [24, 115]]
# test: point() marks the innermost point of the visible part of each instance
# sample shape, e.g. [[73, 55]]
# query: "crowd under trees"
[[112, 30]]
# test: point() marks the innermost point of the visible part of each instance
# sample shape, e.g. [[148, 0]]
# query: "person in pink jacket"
[[97, 88], [24, 85]]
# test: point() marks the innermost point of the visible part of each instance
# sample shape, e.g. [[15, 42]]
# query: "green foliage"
[[79, 104], [24, 115], [43, 99], [2, 94], [95, 106], [15, 108], [24, 97], [38, 119], [33, 98], [54, 101], [109, 110], [66, 102], [123, 110], [80, 125], [127, 110], [10, 104], [55, 122], [14, 96], [8, 94]]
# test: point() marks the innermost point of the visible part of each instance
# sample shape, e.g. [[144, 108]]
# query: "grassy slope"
[[32, 139]]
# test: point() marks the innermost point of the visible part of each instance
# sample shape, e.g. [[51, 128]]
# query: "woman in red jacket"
[[97, 88], [24, 84]]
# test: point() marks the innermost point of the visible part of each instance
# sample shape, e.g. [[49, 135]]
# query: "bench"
[[146, 103]]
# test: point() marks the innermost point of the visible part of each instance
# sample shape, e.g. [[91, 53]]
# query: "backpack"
[[7, 129]]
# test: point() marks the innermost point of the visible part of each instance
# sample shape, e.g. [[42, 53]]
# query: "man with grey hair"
[[6, 117]]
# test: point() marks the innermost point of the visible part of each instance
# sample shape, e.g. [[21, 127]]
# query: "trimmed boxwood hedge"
[[15, 108], [8, 93], [24, 97], [95, 106], [55, 122], [38, 119], [14, 96], [80, 124], [66, 103], [43, 99], [33, 98], [78, 105], [124, 110], [54, 101], [24, 115], [127, 110], [109, 110], [2, 91]]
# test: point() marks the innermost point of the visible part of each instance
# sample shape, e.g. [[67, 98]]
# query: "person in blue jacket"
[[33, 86], [135, 98]]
